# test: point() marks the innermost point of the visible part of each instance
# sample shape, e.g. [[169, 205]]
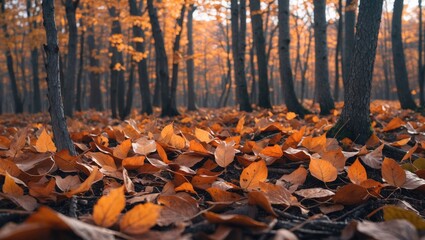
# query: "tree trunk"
[[350, 22], [286, 77], [96, 101], [71, 68], [238, 22], [338, 51], [253, 73], [421, 73], [354, 121], [400, 70], [163, 76], [78, 98], [130, 92], [117, 67], [142, 65], [176, 59], [60, 131], [260, 47], [190, 63], [324, 96]]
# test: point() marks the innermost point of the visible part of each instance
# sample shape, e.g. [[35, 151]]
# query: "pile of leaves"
[[213, 174]]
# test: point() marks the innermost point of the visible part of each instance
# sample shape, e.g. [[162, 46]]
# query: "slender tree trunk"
[[142, 65], [400, 70], [161, 61], [190, 63], [130, 91], [260, 47], [96, 99], [349, 25], [286, 77], [176, 59], [60, 131], [354, 121], [238, 22], [338, 51], [305, 68], [253, 73], [71, 68], [421, 73], [80, 72], [321, 62]]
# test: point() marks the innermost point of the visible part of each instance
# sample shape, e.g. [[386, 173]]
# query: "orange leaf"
[[410, 152], [197, 147], [291, 115], [351, 194], [295, 178], [219, 195], [85, 186], [121, 150], [225, 154], [103, 160], [251, 176], [260, 199], [11, 188], [65, 161], [393, 124], [108, 208], [45, 143], [162, 153], [357, 173], [235, 220], [274, 151], [392, 173], [323, 170], [132, 163], [294, 139], [185, 187], [140, 218], [315, 144], [203, 135]]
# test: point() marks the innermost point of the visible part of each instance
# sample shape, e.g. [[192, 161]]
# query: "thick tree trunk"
[[354, 121], [260, 47], [321, 59], [338, 51], [161, 62], [286, 77], [117, 68], [71, 68], [79, 95], [130, 91], [421, 70], [60, 131], [142, 65], [176, 59], [190, 63], [400, 70], [253, 94], [349, 27], [238, 22], [96, 101]]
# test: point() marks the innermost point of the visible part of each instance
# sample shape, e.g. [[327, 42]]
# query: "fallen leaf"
[[312, 193], [219, 195], [85, 186], [144, 146], [45, 143], [203, 135], [393, 213], [261, 200], [393, 124], [393, 173], [323, 170], [234, 220], [252, 175], [107, 210], [357, 173], [121, 151], [224, 154], [374, 158], [140, 218], [351, 194]]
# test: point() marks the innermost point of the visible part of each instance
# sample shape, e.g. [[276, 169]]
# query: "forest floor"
[[213, 174]]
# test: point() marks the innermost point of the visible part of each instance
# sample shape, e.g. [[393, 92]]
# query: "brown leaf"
[[177, 208], [374, 158], [392, 173], [140, 218], [225, 154], [234, 220], [312, 193], [260, 199], [296, 178], [121, 151], [219, 195], [103, 160], [144, 146], [351, 194], [108, 208], [85, 186]]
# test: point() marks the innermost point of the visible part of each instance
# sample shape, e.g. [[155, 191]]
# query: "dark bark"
[[96, 101], [324, 96], [130, 92], [354, 121], [338, 51], [17, 99], [238, 22], [349, 29], [400, 70], [260, 47], [190, 63], [286, 76], [142, 65], [305, 67], [421, 73], [176, 59], [71, 68], [253, 94], [117, 69], [60, 132], [161, 62], [79, 95]]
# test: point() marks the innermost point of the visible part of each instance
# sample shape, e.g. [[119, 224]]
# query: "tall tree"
[[176, 58], [58, 121], [161, 61], [190, 63], [142, 65], [421, 68], [400, 70], [338, 50], [321, 58], [96, 101], [71, 68], [238, 22], [286, 76], [260, 47], [349, 29], [354, 121], [17, 99], [78, 97]]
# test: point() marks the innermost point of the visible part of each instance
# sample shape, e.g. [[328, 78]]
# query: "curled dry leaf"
[[394, 124], [260, 199], [107, 210], [323, 170], [374, 158], [203, 135], [144, 146], [225, 154], [296, 178], [177, 208], [312, 193], [121, 151], [219, 195], [85, 186], [140, 218], [251, 176], [234, 220], [103, 160], [393, 173]]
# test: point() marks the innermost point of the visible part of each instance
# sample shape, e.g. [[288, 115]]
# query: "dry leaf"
[[45, 143], [234, 220], [140, 218], [144, 146], [394, 124], [323, 170], [393, 213], [225, 154], [254, 174], [392, 173], [108, 208], [357, 173]]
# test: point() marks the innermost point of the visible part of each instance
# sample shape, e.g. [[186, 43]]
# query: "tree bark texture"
[[190, 63]]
